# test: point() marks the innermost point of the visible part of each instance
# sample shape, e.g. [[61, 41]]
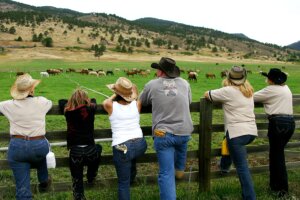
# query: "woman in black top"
[[80, 116]]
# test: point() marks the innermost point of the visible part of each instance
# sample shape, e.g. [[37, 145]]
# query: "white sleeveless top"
[[125, 122]]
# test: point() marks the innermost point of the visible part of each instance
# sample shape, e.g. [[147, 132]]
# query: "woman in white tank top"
[[128, 141]]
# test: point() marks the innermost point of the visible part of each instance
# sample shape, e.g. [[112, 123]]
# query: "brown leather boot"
[[44, 186], [179, 174]]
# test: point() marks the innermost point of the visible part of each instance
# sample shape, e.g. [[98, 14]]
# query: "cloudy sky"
[[268, 21]]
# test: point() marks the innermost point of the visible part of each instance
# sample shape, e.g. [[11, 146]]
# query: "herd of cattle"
[[191, 74]]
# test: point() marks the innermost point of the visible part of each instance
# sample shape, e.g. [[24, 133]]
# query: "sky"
[[267, 21]]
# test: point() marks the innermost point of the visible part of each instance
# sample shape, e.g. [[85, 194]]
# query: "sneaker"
[[44, 186], [223, 170], [179, 174]]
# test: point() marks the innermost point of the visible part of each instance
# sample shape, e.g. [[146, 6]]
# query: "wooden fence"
[[204, 128]]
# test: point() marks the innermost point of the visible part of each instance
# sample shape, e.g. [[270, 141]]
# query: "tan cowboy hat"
[[124, 88], [237, 75], [23, 85]]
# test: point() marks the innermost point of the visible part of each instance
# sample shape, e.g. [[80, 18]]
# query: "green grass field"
[[61, 86]]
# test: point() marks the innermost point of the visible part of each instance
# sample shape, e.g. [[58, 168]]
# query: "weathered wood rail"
[[204, 128]]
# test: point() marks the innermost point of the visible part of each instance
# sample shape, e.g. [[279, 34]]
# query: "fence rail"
[[204, 128]]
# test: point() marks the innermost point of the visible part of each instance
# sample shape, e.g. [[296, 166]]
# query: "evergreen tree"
[[35, 38], [47, 42], [12, 30]]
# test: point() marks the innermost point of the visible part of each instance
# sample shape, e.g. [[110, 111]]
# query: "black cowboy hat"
[[276, 76], [168, 66]]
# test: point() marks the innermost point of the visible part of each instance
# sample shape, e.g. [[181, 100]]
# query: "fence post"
[[205, 144]]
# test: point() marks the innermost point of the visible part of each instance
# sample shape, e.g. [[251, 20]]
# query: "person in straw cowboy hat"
[[236, 95], [128, 142], [278, 103], [170, 97], [28, 146]]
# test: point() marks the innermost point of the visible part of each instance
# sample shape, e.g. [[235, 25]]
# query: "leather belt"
[[280, 115], [40, 137]]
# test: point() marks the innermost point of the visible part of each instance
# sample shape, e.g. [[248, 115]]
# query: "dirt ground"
[[12, 54]]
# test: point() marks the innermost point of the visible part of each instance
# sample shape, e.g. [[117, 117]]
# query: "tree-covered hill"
[[67, 28], [295, 45]]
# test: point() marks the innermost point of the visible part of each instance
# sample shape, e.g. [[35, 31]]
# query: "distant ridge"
[[241, 35], [295, 45]]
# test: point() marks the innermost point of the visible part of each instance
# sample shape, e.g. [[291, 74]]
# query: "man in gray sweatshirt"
[[170, 97]]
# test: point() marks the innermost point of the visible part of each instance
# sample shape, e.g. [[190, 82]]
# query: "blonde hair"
[[79, 97], [245, 88]]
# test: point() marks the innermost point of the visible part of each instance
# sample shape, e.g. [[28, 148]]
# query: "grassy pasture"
[[61, 86]]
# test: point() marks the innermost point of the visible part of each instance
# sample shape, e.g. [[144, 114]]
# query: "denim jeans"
[[125, 163], [238, 155], [22, 155], [78, 158], [280, 131], [171, 153]]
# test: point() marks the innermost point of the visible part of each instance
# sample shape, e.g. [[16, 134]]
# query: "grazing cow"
[[53, 71], [19, 73], [109, 72], [84, 71], [210, 75], [93, 73], [131, 73], [192, 76], [101, 73], [44, 74], [143, 73], [70, 70], [224, 73], [249, 71]]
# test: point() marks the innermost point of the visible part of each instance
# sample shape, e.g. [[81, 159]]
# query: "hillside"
[[65, 31], [295, 46]]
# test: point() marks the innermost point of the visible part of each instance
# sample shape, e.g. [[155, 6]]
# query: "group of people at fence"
[[170, 97]]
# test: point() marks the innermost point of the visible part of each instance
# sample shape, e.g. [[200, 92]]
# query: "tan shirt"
[[239, 118], [277, 99], [27, 116]]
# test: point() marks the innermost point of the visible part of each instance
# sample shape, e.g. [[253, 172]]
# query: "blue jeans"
[[22, 155], [78, 158], [238, 155], [171, 153], [280, 131], [125, 163]]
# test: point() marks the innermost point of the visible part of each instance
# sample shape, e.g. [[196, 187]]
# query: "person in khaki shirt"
[[278, 103], [28, 146], [236, 95]]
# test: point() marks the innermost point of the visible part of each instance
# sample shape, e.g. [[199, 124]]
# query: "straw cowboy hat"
[[276, 76], [124, 88], [23, 85], [237, 75], [168, 66]]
